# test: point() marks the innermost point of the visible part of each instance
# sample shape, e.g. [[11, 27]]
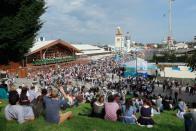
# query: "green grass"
[[167, 121]]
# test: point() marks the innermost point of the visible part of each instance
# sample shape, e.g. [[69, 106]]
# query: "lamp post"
[[136, 61]]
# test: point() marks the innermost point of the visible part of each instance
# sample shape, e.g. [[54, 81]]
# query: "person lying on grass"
[[14, 111], [53, 105]]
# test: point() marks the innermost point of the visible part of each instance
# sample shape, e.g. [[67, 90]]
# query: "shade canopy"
[[143, 67]]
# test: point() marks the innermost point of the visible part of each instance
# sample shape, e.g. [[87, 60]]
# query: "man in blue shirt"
[[53, 105]]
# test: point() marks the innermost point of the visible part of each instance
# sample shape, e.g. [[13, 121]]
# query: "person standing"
[[176, 97]]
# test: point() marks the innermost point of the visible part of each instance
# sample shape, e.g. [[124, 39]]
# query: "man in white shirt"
[[32, 94]]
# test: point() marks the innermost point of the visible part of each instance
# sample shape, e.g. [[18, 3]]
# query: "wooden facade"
[[55, 49]]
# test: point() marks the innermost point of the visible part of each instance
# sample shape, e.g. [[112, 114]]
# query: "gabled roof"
[[38, 46]]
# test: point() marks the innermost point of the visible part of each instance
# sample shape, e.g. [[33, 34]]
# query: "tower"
[[119, 40], [170, 38], [127, 42]]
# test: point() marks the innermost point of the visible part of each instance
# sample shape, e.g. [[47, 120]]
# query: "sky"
[[95, 21]]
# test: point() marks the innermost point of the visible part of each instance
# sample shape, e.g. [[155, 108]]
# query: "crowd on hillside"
[[99, 83]]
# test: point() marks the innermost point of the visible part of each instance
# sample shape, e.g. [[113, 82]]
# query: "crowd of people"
[[99, 83]]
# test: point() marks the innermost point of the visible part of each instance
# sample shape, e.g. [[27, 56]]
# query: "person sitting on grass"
[[98, 107], [157, 103], [3, 94], [190, 119], [146, 115], [53, 105], [3, 90], [128, 113], [24, 100], [14, 111], [38, 104], [111, 108], [167, 104], [4, 86], [181, 109], [32, 94]]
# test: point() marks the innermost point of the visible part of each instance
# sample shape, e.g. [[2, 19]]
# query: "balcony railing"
[[48, 61]]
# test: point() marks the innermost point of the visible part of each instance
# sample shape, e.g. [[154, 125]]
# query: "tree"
[[192, 61], [19, 24]]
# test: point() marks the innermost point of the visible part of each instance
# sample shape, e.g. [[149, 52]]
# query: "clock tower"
[[119, 40]]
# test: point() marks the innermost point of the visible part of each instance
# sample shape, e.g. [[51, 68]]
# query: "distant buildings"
[[119, 40], [123, 43], [180, 46], [128, 43]]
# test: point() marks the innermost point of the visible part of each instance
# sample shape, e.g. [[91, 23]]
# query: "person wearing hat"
[[53, 105]]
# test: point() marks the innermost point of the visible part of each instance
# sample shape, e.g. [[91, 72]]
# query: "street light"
[[136, 61]]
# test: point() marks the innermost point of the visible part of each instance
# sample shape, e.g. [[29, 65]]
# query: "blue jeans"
[[187, 123]]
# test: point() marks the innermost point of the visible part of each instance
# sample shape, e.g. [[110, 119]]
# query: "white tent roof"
[[82, 47], [40, 44], [89, 49], [140, 63], [180, 44]]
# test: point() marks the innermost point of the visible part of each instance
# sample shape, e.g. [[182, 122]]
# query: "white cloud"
[[62, 13], [65, 6], [96, 20], [86, 19]]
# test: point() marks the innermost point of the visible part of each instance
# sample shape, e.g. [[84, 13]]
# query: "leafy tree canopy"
[[19, 24]]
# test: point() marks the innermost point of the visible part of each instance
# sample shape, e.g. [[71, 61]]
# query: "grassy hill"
[[167, 121]]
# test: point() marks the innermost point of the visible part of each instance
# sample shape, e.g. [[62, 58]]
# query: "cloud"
[[65, 6], [76, 17], [96, 20], [86, 20]]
